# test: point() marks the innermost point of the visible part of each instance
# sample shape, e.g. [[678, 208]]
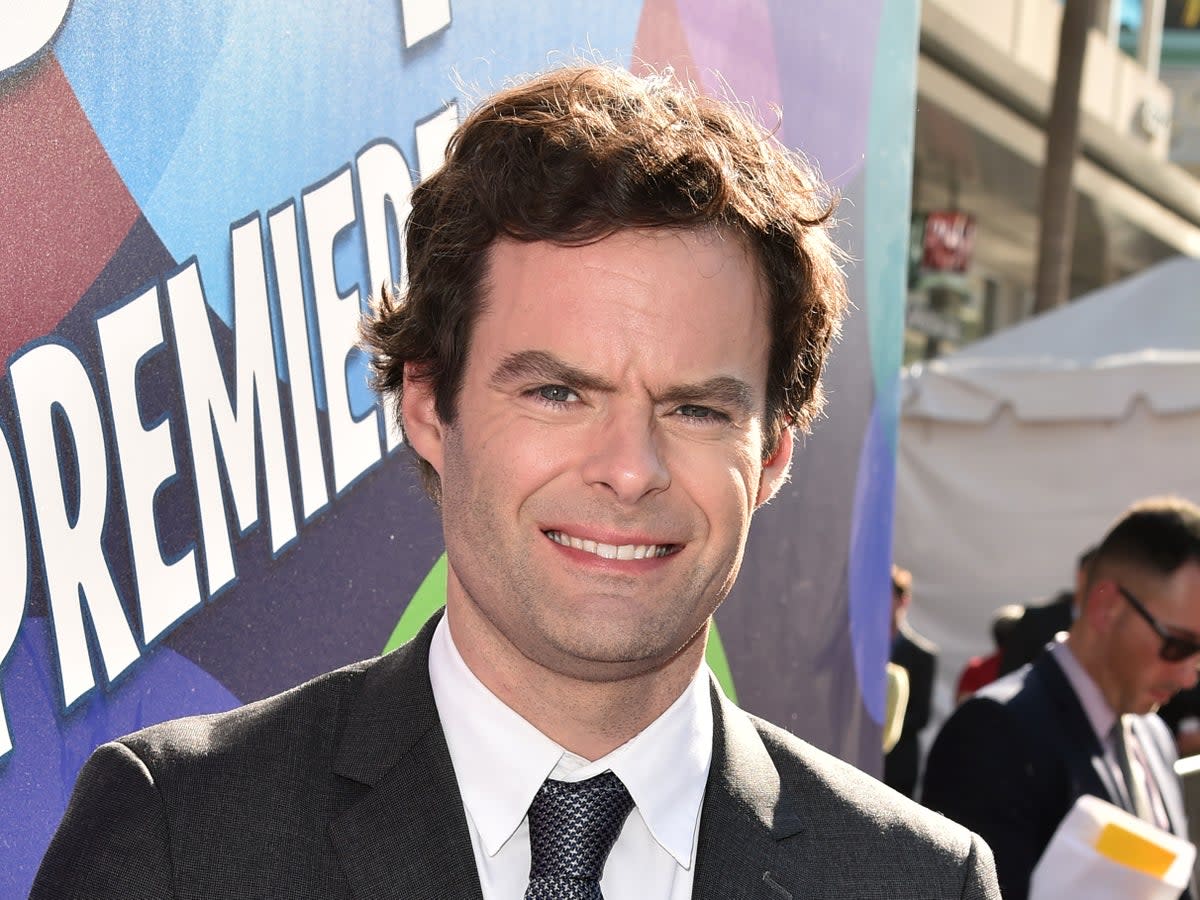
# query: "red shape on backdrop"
[[64, 209], [661, 41]]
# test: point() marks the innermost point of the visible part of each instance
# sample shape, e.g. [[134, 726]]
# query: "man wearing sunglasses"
[[1012, 760]]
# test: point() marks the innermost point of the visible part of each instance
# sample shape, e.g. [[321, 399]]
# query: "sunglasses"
[[1174, 648]]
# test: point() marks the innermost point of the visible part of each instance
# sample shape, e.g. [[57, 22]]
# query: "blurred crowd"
[[1090, 692]]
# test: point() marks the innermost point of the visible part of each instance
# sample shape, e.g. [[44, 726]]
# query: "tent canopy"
[[1087, 361], [1019, 451]]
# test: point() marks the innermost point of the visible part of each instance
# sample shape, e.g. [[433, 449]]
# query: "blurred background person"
[[983, 670], [917, 655], [1041, 622], [1182, 715]]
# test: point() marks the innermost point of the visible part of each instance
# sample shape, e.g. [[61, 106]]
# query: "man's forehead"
[[631, 244], [702, 272]]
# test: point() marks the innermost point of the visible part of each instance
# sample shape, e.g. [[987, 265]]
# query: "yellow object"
[[897, 703], [1126, 847], [1191, 13]]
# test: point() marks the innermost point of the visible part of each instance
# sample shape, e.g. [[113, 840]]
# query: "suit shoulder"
[[916, 643], [1015, 689], [843, 796], [998, 713]]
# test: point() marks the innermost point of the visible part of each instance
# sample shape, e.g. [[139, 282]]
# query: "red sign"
[[949, 240]]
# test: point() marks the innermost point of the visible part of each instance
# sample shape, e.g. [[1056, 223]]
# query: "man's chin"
[[1151, 706], [618, 659]]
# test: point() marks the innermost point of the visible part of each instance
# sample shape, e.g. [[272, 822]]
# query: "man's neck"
[[1090, 662], [588, 717]]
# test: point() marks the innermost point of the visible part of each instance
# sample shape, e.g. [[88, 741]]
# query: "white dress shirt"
[[1103, 718], [500, 761]]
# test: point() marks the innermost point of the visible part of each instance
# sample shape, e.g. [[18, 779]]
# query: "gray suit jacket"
[[343, 787]]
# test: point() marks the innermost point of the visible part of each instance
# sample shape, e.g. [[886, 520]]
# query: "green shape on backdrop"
[[431, 596], [714, 655]]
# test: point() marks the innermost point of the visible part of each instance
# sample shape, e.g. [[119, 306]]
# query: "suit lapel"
[[1162, 770], [744, 816], [406, 836], [1081, 748]]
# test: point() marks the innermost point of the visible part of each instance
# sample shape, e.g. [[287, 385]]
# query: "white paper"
[[1072, 867]]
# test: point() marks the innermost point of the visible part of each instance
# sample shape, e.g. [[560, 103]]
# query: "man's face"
[[1138, 679], [600, 477]]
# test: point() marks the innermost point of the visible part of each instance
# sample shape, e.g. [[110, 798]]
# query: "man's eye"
[[556, 393], [692, 411]]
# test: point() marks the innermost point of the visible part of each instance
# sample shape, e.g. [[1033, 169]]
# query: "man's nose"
[[627, 457]]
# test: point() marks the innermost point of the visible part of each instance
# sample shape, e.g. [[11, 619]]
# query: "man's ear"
[[422, 427], [1100, 605], [775, 469]]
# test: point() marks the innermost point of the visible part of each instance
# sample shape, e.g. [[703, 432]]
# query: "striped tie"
[[1122, 741]]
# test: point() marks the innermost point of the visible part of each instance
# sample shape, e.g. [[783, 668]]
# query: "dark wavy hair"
[[576, 154]]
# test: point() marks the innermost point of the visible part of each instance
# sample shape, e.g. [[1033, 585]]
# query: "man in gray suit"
[[620, 297]]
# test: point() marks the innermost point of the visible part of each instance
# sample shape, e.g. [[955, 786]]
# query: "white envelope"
[[1102, 852]]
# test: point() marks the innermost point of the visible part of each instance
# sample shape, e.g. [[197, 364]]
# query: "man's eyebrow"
[[722, 390], [538, 365]]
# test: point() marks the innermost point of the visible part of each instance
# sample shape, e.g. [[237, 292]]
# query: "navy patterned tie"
[[572, 827]]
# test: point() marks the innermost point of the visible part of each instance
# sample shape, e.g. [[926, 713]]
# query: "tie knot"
[[572, 828]]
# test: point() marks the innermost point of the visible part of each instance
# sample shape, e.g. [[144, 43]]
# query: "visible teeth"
[[610, 551]]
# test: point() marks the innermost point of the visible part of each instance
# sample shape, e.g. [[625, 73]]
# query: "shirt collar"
[[1099, 714], [664, 767]]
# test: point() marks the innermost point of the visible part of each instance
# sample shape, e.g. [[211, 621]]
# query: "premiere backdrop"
[[200, 501]]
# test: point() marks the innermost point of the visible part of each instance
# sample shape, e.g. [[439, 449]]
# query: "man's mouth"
[[613, 551]]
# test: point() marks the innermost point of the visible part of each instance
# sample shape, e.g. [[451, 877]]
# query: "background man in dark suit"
[[1012, 760], [1041, 622], [620, 296], [917, 655]]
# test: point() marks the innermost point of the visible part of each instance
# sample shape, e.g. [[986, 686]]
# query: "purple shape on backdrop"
[[826, 86], [332, 597], [734, 47], [868, 575], [37, 775], [825, 92]]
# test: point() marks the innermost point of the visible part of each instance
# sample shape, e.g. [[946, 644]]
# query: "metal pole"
[[1056, 239], [1108, 20], [1150, 35]]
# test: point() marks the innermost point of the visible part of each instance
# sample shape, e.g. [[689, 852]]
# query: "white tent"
[[1017, 452]]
